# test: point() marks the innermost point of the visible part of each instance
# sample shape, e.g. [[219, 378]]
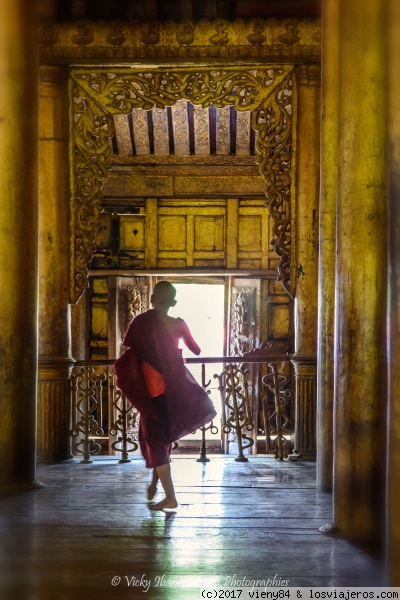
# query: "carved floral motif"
[[97, 94], [84, 33], [185, 34], [292, 33], [117, 36], [221, 37], [150, 34], [256, 38]]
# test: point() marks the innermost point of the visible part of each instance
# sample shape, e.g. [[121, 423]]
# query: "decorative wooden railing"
[[100, 412]]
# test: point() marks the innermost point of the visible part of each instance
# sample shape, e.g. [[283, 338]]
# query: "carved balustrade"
[[104, 421]]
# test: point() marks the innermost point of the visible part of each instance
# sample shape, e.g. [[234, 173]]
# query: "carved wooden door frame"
[[98, 93]]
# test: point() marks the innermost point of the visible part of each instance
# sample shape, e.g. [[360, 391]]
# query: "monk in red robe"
[[152, 375]]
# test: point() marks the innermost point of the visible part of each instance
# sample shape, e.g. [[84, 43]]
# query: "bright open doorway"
[[202, 306]]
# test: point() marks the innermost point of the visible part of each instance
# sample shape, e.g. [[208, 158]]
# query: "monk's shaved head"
[[164, 293]]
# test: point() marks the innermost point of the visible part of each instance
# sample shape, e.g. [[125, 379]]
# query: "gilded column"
[[393, 456], [327, 241], [306, 286], [54, 314], [361, 272], [18, 241]]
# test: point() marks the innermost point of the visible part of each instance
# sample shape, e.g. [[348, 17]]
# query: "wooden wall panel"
[[250, 233], [98, 319], [132, 232], [191, 232], [172, 233], [209, 233], [253, 236], [279, 321], [103, 233]]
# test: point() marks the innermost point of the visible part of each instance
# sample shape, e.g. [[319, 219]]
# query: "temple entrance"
[[225, 316], [180, 196], [202, 306]]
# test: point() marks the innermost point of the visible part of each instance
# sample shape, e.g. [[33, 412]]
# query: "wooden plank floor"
[[91, 523]]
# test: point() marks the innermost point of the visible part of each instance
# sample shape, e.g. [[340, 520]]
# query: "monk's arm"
[[188, 339]]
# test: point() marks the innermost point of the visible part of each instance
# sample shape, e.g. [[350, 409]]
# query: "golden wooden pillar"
[[393, 487], [327, 242], [54, 314], [361, 278], [18, 241], [306, 291]]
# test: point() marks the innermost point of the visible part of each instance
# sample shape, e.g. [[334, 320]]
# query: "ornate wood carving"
[[286, 40], [96, 94], [241, 338], [274, 147], [237, 419], [137, 299]]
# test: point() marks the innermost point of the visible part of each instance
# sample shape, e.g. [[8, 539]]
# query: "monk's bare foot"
[[151, 490], [164, 505]]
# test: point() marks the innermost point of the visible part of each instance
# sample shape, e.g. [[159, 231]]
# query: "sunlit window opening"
[[202, 307]]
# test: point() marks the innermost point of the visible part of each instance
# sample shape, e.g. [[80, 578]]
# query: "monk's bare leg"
[[164, 473], [152, 489]]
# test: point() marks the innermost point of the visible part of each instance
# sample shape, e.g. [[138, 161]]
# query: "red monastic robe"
[[185, 406]]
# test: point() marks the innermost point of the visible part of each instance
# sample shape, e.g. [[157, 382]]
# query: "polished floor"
[[89, 533]]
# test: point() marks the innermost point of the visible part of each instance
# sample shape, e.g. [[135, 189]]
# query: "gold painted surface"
[[151, 233], [138, 185], [175, 263], [191, 207], [361, 273], [201, 130], [249, 233], [99, 307], [103, 234], [99, 321], [203, 233], [223, 130], [267, 92], [327, 243], [218, 185], [132, 232], [209, 233], [243, 126], [160, 128], [99, 286], [193, 160], [394, 258], [232, 232], [305, 411], [140, 131], [180, 127], [18, 241], [307, 210], [172, 233], [248, 263], [123, 135], [184, 170], [279, 315], [294, 40]]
